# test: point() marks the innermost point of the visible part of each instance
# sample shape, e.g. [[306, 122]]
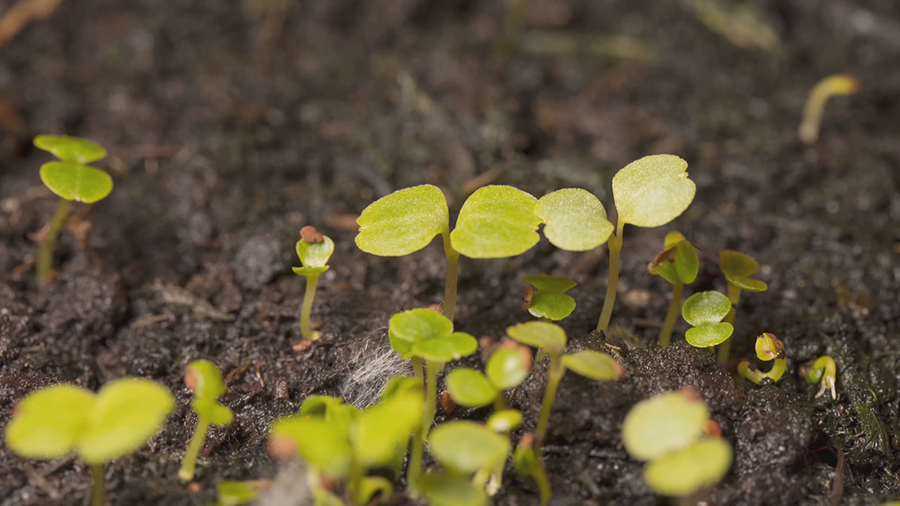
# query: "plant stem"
[[665, 334], [540, 477], [499, 402], [615, 247], [734, 295], [97, 494], [45, 255], [415, 459], [189, 463], [553, 378], [305, 326], [452, 278]]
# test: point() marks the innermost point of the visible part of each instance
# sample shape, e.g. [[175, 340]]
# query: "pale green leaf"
[[76, 182], [525, 461], [735, 263], [39, 431], [467, 447], [372, 486], [542, 335], [666, 269], [574, 219], [652, 191], [452, 347], [419, 324], [593, 365], [672, 240], [403, 222], [323, 445], [70, 149], [210, 409], [386, 427], [748, 284], [470, 388], [548, 283], [496, 222], [448, 490], [319, 405], [687, 262], [663, 423], [550, 305], [205, 379], [686, 471], [315, 254], [508, 367], [705, 308], [709, 334], [505, 420], [235, 493]]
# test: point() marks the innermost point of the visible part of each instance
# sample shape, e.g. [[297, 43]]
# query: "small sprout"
[[831, 86], [823, 372], [678, 264], [649, 192], [314, 250], [118, 420], [737, 268], [768, 348], [205, 379], [590, 364], [705, 311], [236, 493], [548, 299], [507, 368], [71, 179]]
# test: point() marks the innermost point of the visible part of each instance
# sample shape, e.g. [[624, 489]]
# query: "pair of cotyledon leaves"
[[705, 312], [205, 379], [507, 368], [502, 221], [552, 338], [738, 267], [314, 256], [549, 298], [667, 430], [428, 335], [678, 262], [71, 178]]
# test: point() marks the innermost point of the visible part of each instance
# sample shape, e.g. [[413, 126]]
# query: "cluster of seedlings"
[[356, 456]]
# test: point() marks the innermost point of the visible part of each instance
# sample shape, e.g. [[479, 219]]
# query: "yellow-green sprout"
[[823, 372], [205, 379], [768, 348], [236, 493], [705, 311], [831, 86], [678, 264], [737, 268], [314, 250], [548, 299]]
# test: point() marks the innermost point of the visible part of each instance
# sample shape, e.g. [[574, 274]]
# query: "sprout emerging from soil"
[[118, 420], [831, 86], [205, 379], [678, 264], [737, 268], [768, 348], [705, 312], [72, 179], [236, 493], [590, 364], [548, 299], [423, 335], [823, 372], [314, 250], [683, 447]]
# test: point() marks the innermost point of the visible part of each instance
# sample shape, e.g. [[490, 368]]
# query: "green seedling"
[[590, 364], [236, 493], [427, 338], [768, 348], [705, 312], [506, 369], [314, 250], [737, 268], [823, 372], [649, 192], [339, 443], [831, 86], [548, 299], [118, 420], [72, 179], [678, 264], [205, 379], [683, 447]]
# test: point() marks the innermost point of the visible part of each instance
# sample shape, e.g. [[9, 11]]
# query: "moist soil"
[[231, 125]]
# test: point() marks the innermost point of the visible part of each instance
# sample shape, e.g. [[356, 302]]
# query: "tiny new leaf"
[[470, 388], [685, 471], [403, 222], [705, 311], [653, 190], [738, 267], [324, 445], [543, 335], [315, 254], [467, 447], [549, 300], [663, 423], [505, 420], [593, 365], [496, 222], [70, 149], [574, 219], [507, 368], [451, 490], [72, 181], [205, 379]]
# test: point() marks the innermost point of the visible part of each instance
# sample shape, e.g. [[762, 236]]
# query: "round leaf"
[[419, 324], [548, 283], [467, 447], [70, 149], [322, 444], [709, 334], [574, 219], [687, 263], [403, 222], [666, 269], [127, 414], [683, 472], [554, 306], [315, 254], [663, 423], [525, 461], [748, 284], [210, 409], [205, 379], [705, 308], [653, 191], [470, 388], [48, 423], [505, 420], [593, 365], [542, 335], [735, 263], [496, 222], [76, 182], [507, 368], [452, 347], [443, 490]]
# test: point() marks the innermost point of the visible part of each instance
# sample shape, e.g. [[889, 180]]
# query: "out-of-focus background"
[[231, 124]]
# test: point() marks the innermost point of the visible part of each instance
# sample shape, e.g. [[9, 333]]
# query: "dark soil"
[[231, 128]]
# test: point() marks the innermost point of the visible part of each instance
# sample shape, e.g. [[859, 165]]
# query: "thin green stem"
[[665, 334], [540, 477], [357, 472], [499, 402], [189, 463], [98, 494], [734, 295], [415, 459], [452, 278], [553, 378], [305, 326], [45, 254], [615, 247]]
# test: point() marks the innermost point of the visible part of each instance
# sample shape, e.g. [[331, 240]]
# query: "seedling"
[[768, 348], [205, 379], [678, 264], [737, 268], [672, 432], [423, 335], [831, 86], [705, 312], [506, 369], [649, 192], [591, 364], [823, 372], [236, 493], [548, 299], [314, 250], [72, 179], [55, 421]]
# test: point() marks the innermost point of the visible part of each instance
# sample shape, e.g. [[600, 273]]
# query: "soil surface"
[[233, 124]]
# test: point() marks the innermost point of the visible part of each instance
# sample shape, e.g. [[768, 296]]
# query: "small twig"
[[40, 482]]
